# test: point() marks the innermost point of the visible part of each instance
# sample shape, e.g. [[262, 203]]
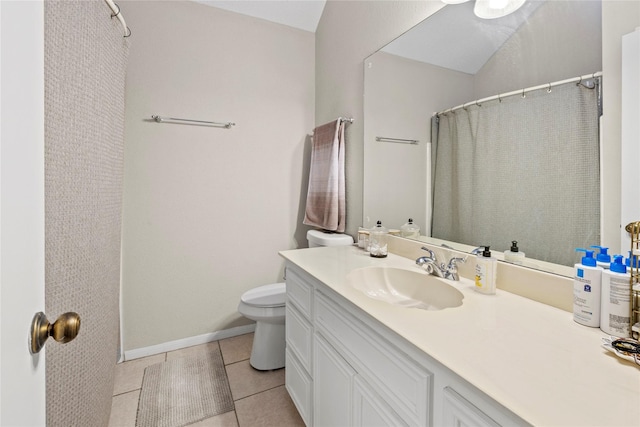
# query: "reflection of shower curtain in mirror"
[[524, 169]]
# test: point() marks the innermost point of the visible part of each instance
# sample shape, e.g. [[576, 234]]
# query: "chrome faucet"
[[432, 266]]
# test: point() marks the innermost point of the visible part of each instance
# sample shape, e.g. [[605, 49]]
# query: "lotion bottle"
[[514, 255], [603, 259], [586, 290], [486, 269], [615, 305]]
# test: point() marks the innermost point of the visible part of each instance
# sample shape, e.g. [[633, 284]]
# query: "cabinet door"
[[332, 386], [459, 412], [369, 410]]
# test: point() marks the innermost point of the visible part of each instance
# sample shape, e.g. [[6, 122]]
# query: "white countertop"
[[529, 357]]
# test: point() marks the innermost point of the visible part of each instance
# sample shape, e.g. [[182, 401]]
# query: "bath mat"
[[183, 391]]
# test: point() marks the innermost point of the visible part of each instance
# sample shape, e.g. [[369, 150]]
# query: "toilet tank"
[[322, 238]]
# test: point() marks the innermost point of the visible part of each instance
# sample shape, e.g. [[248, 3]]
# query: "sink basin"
[[405, 288]]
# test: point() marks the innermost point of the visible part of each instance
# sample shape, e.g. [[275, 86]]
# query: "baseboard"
[[187, 342]]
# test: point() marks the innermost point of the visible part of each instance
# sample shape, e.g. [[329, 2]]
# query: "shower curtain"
[[521, 168], [85, 63]]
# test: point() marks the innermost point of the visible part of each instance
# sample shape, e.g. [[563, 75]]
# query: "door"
[[22, 376]]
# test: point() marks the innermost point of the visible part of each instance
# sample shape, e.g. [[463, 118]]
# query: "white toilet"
[[266, 305]]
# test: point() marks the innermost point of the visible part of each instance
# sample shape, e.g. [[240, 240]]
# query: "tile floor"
[[260, 397]]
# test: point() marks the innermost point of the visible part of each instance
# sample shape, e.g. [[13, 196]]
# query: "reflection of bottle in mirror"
[[378, 241], [486, 270], [603, 259], [514, 255], [587, 286], [615, 306], [410, 229]]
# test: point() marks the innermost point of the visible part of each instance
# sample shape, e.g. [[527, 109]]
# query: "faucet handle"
[[453, 262], [432, 254]]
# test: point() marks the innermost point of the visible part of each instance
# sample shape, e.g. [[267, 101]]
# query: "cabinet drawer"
[[402, 383], [299, 292], [299, 335], [299, 386]]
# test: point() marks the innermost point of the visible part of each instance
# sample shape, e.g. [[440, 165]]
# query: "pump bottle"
[[514, 255], [603, 259], [586, 291], [615, 306], [486, 269]]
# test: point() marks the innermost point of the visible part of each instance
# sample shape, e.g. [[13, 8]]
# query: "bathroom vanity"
[[493, 360]]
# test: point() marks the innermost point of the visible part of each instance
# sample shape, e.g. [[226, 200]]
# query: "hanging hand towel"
[[326, 194]]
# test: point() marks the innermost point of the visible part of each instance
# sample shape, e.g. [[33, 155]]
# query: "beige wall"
[[206, 210], [350, 31]]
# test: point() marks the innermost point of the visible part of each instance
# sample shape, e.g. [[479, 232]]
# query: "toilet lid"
[[265, 296]]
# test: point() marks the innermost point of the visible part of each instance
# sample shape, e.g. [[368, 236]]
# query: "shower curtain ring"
[[129, 33], [549, 88], [500, 97], [523, 95], [478, 105], [579, 81], [117, 13]]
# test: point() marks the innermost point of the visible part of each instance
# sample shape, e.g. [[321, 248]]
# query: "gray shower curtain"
[[524, 169], [85, 63]]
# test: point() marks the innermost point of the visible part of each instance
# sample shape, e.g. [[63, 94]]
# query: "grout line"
[[254, 394]]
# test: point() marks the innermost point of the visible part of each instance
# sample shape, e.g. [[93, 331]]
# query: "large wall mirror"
[[453, 58]]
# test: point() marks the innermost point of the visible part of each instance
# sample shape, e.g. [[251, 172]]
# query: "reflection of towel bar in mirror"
[[397, 140], [160, 119]]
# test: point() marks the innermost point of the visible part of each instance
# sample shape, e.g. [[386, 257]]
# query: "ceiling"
[[452, 38], [455, 38], [301, 14]]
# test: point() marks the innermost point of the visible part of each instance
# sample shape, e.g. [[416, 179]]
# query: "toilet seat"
[[265, 296]]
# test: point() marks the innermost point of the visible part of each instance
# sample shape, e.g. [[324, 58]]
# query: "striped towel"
[[326, 195]]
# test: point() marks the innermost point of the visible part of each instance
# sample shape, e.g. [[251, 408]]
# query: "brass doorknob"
[[63, 330]]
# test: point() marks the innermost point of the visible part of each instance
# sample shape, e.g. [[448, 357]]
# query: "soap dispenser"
[[378, 236], [410, 229], [514, 255], [486, 269], [615, 306], [587, 286], [603, 259]]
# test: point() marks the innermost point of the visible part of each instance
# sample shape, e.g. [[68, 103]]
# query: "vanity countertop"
[[529, 357]]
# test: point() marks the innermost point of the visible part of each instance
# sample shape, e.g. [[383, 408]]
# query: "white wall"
[[206, 210], [401, 95], [618, 18], [350, 31]]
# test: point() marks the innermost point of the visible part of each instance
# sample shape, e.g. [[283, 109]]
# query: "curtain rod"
[[116, 13], [522, 92]]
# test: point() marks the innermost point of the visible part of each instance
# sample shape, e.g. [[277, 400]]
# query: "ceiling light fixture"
[[491, 9]]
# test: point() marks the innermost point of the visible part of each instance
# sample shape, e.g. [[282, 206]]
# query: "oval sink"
[[405, 288]]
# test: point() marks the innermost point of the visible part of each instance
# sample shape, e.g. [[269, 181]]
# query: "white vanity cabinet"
[[344, 368]]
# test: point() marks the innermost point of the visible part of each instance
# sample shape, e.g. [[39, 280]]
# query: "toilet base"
[[268, 351]]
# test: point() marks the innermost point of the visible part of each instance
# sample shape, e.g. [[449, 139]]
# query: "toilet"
[[266, 305]]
